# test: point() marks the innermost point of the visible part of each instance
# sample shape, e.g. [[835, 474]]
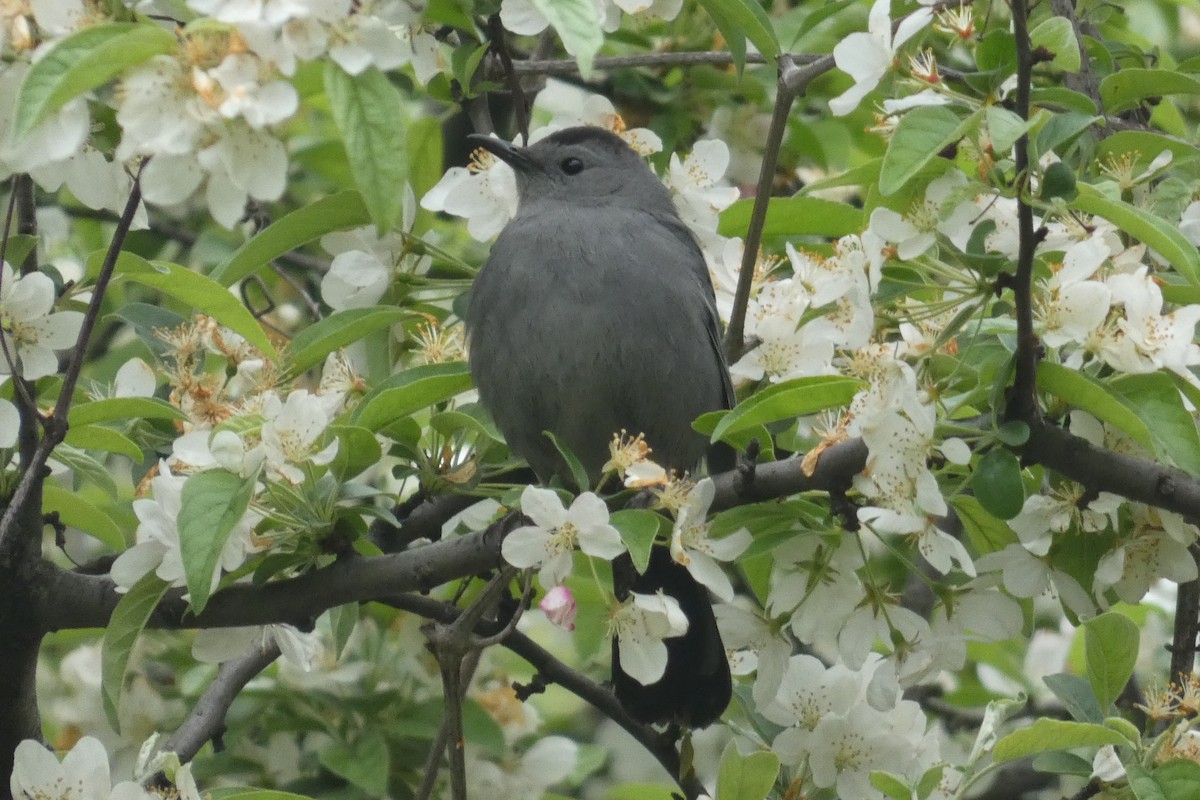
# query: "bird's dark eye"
[[571, 165]]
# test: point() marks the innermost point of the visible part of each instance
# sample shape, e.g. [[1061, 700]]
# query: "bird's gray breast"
[[587, 322]]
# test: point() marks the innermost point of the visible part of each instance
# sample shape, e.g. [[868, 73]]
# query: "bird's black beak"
[[516, 157]]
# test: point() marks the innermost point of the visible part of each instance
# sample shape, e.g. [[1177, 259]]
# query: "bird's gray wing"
[[700, 272]]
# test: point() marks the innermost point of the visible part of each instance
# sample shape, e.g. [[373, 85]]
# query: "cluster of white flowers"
[[642, 622], [364, 263], [85, 772], [843, 724], [206, 111], [803, 319], [242, 425], [485, 193], [524, 17]]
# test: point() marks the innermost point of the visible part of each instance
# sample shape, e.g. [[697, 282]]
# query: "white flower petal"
[[526, 547], [543, 506]]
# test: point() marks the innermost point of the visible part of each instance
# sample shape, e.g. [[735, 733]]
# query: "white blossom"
[[291, 433], [692, 547], [549, 543], [158, 550], [82, 775], [696, 185], [29, 327], [867, 57], [639, 626]]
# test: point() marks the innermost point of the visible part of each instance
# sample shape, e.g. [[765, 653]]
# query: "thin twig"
[[26, 217], [1022, 401], [452, 643], [56, 425], [553, 670], [314, 307], [520, 102], [207, 717], [1187, 626], [784, 97], [568, 66]]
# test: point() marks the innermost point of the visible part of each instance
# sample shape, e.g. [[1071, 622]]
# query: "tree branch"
[[29, 487], [1187, 626], [552, 670], [735, 333], [1022, 399], [568, 66], [207, 719], [1102, 470], [72, 600]]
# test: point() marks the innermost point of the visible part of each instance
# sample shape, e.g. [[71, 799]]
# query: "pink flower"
[[559, 607]]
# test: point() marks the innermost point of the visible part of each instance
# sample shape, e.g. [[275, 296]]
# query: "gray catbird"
[[595, 314]]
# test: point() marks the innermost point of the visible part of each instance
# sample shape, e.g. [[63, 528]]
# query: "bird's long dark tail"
[[696, 687]]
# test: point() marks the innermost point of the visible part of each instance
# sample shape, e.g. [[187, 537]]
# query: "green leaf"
[[86, 59], [1126, 88], [920, 135], [84, 466], [1076, 695], [469, 419], [1178, 779], [312, 344], [425, 158], [19, 246], [76, 512], [448, 12], [358, 449], [735, 37], [369, 112], [410, 391], [1063, 763], [121, 409], [343, 620], [1013, 433], [365, 764], [1144, 145], [97, 437], [1086, 393], [795, 216], [1156, 401], [786, 400], [127, 621], [891, 786], [1142, 782], [1057, 35], [987, 534], [211, 504], [1061, 129], [1144, 226], [1110, 647], [307, 224], [1050, 734], [203, 294], [250, 793], [750, 18], [746, 777], [578, 474], [1004, 127], [637, 527], [997, 483], [707, 423], [578, 25]]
